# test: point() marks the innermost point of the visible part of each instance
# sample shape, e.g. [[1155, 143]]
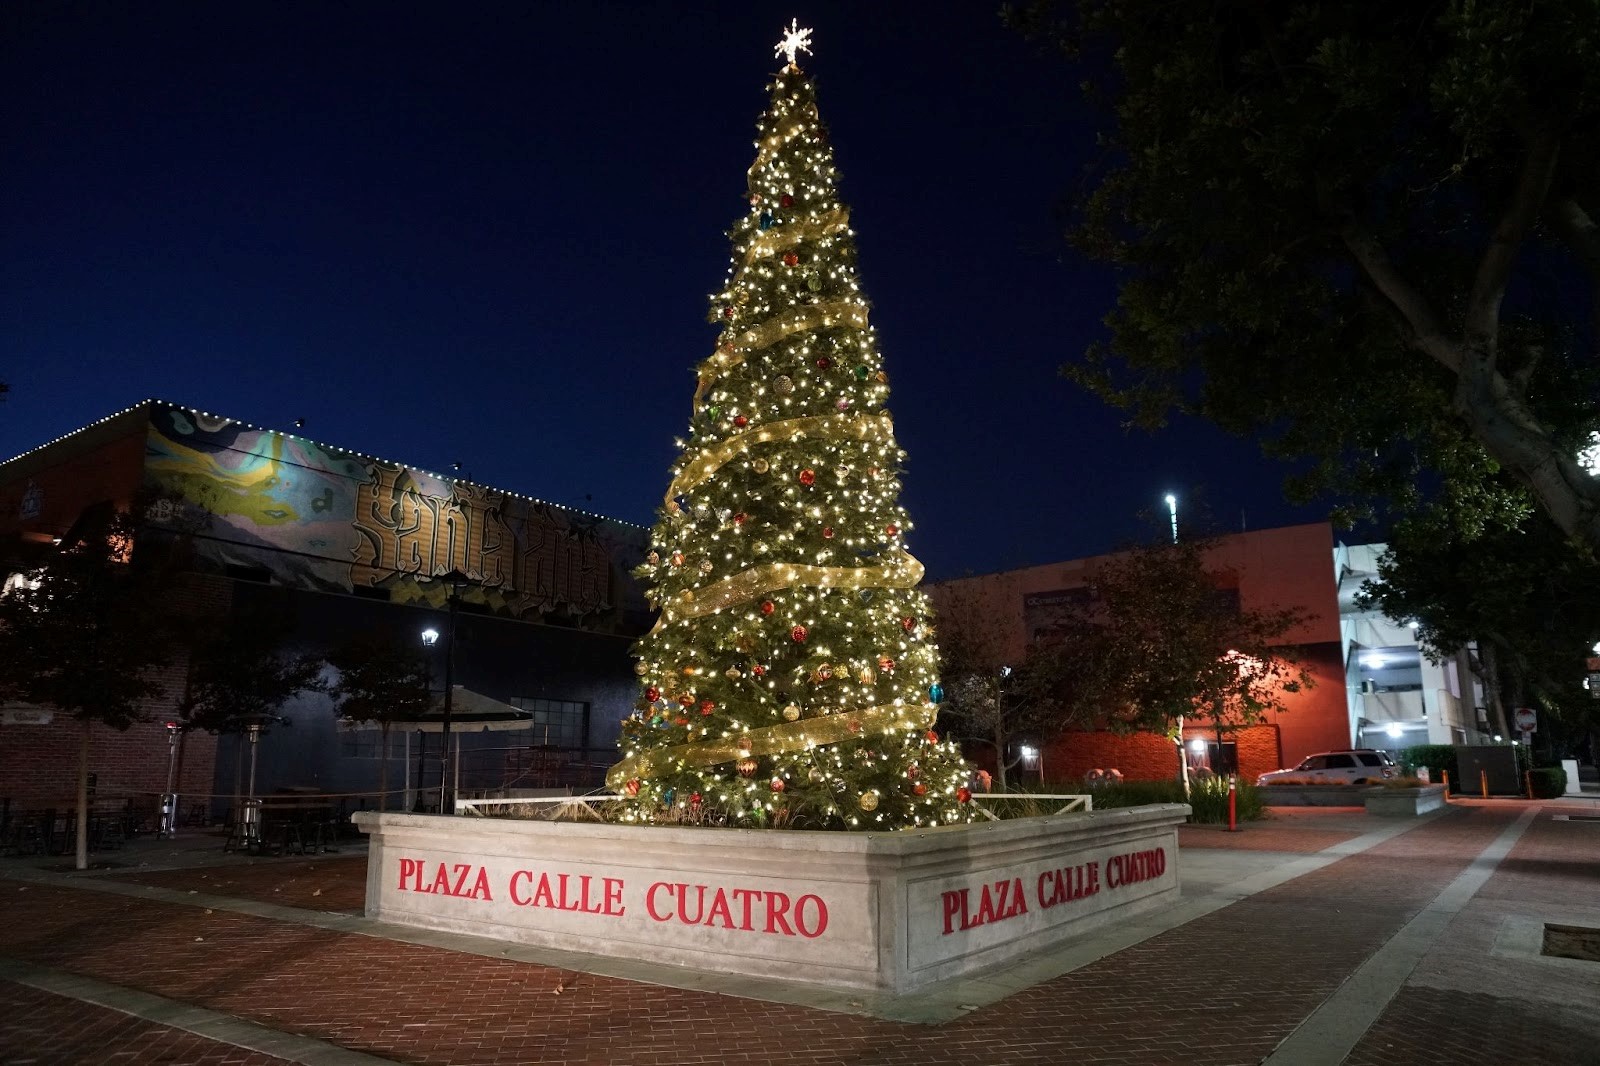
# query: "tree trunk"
[[383, 770], [1183, 759], [1000, 757], [82, 859], [1490, 660]]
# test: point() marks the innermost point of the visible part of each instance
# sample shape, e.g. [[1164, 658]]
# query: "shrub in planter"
[[1548, 783], [1208, 796], [1404, 782], [1438, 758]]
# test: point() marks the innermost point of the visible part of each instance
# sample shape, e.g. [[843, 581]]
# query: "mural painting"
[[332, 520]]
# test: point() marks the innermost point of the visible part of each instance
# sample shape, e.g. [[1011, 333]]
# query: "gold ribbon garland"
[[778, 238], [901, 570], [874, 427], [772, 740], [851, 311], [773, 141]]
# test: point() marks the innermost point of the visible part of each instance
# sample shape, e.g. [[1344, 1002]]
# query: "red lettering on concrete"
[[614, 906], [719, 905], [650, 901], [777, 911], [816, 927], [409, 868]]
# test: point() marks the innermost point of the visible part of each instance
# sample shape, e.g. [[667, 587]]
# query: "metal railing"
[[1075, 801], [573, 808]]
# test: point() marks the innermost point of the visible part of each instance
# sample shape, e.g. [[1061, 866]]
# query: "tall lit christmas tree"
[[792, 679]]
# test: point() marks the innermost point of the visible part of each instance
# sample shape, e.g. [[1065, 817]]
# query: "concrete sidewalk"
[[1321, 937]]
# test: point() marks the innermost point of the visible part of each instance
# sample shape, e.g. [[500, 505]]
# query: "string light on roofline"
[[146, 405]]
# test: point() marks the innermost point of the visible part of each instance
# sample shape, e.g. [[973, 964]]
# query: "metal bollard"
[[1233, 819], [1483, 782]]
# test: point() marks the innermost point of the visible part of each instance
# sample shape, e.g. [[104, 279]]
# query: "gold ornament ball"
[[868, 801], [791, 713], [760, 466], [705, 566], [732, 673], [641, 668]]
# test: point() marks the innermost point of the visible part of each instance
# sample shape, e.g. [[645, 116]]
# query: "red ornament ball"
[[827, 532], [652, 693], [891, 529], [694, 799], [808, 477], [680, 721], [777, 784], [823, 362], [632, 787], [886, 664], [798, 634], [786, 200], [740, 519], [741, 421], [727, 312], [963, 794], [920, 789], [707, 706], [758, 670], [791, 259], [767, 607], [908, 624], [913, 771], [931, 737]]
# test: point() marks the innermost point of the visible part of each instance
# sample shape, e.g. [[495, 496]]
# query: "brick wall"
[[1150, 757], [39, 763]]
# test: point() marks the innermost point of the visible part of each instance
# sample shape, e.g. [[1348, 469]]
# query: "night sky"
[[485, 234]]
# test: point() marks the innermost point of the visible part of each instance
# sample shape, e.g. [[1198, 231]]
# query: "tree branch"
[[1494, 269], [1428, 331]]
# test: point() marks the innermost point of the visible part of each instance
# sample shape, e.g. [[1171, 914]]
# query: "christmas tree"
[[792, 679]]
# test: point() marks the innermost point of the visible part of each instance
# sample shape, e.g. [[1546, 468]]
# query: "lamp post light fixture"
[[430, 637], [454, 581], [1172, 509]]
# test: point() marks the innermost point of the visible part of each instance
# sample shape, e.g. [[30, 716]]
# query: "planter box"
[[1313, 795], [1405, 802], [889, 912]]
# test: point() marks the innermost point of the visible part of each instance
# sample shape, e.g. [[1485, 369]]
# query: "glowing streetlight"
[[1172, 509], [430, 637]]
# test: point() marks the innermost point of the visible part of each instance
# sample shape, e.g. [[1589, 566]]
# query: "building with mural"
[[340, 543]]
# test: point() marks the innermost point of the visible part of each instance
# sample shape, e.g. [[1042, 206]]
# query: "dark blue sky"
[[485, 234]]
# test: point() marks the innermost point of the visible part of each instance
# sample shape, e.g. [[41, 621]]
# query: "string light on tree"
[[790, 616]]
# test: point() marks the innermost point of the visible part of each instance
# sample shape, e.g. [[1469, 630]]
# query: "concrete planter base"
[[889, 912], [1313, 795], [1404, 802]]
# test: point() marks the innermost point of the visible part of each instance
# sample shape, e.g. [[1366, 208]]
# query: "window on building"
[[556, 723], [1222, 758]]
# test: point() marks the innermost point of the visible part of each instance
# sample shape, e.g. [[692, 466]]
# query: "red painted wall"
[[1290, 567]]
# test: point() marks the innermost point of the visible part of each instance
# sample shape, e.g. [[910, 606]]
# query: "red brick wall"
[[39, 763], [1149, 757]]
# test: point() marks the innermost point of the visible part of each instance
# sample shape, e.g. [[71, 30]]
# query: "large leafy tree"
[[1365, 232], [1159, 644], [87, 631], [381, 679], [1531, 604]]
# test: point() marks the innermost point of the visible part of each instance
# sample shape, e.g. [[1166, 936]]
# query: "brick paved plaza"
[[1316, 937]]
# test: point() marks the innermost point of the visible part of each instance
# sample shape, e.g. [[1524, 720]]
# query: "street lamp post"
[[455, 581], [430, 637], [1172, 509]]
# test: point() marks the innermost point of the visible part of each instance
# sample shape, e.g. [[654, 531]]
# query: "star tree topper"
[[794, 40]]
